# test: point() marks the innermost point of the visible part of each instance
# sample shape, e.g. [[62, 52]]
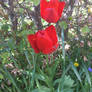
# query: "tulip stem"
[[47, 60], [63, 48], [34, 65]]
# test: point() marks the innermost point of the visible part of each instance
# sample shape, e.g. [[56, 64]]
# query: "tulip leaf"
[[68, 90], [90, 89], [42, 89], [68, 82], [63, 24], [1, 76], [76, 72]]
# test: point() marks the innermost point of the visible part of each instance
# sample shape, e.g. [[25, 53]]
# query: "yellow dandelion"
[[76, 64]]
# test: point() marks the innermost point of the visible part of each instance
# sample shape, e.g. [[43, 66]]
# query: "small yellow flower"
[[90, 10], [76, 64]]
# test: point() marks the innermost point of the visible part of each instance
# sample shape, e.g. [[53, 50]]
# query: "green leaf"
[[1, 76], [5, 27], [59, 80], [36, 2], [68, 82], [12, 79], [42, 89], [76, 72], [63, 45], [68, 90], [21, 10], [70, 18], [90, 89], [87, 74], [46, 78], [25, 33], [85, 29], [11, 43], [63, 24], [40, 77]]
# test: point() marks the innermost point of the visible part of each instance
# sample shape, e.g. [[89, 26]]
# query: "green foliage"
[[85, 29], [63, 24], [5, 27], [70, 18], [1, 76], [36, 2], [42, 89], [11, 43], [68, 82]]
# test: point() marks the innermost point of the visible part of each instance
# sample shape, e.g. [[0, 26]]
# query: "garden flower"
[[90, 69], [44, 41], [76, 64], [51, 11]]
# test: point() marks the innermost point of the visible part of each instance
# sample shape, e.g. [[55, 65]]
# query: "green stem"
[[63, 48], [47, 60], [33, 73]]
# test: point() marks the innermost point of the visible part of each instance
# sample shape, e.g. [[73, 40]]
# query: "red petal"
[[43, 6], [54, 4], [50, 50], [43, 40], [32, 40], [53, 37], [54, 0], [60, 8], [49, 11], [52, 34], [50, 15]]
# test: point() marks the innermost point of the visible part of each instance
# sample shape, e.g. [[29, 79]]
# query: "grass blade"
[[76, 72]]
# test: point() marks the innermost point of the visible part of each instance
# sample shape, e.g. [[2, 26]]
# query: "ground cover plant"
[[45, 46]]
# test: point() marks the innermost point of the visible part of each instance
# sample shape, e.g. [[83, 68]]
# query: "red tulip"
[[51, 11], [44, 41]]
